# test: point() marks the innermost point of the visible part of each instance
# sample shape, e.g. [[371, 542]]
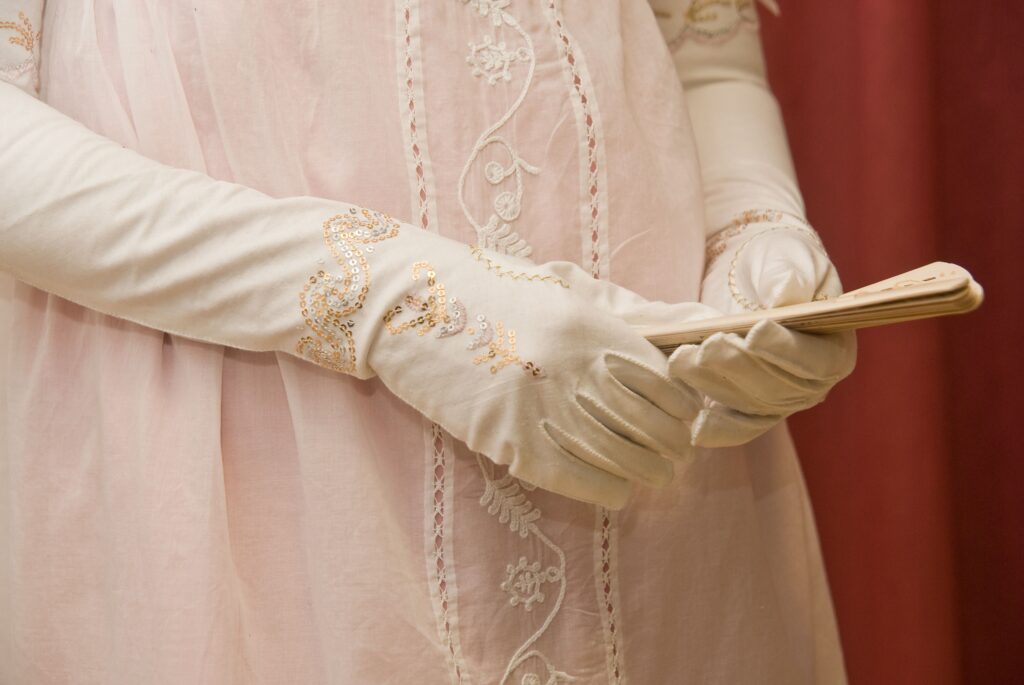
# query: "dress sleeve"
[[21, 24]]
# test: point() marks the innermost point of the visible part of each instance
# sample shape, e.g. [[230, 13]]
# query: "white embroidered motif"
[[504, 498], [524, 581], [492, 59], [490, 8]]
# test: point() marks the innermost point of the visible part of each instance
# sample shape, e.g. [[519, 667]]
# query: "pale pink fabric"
[[181, 513]]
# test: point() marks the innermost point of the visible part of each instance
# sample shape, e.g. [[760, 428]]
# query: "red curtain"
[[907, 125]]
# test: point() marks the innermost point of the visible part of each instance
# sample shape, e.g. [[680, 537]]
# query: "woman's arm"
[[760, 251], [527, 364]]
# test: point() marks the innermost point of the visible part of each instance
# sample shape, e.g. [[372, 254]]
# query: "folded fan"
[[938, 289]]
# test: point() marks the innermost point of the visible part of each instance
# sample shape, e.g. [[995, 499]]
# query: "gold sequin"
[[327, 300], [25, 37], [448, 316], [716, 21], [715, 245]]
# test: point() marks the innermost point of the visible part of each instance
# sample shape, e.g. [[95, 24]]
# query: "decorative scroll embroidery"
[[448, 315], [328, 299], [524, 581], [493, 59], [26, 37], [716, 21], [719, 243]]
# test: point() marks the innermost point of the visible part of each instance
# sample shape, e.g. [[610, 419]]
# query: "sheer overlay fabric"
[[181, 512]]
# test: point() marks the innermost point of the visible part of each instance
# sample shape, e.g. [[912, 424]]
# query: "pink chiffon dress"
[[178, 512]]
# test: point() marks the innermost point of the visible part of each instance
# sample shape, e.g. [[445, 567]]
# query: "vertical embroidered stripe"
[[594, 226], [607, 582], [440, 571], [413, 118], [438, 486], [593, 181]]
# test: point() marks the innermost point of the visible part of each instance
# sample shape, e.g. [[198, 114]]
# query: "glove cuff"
[[742, 260]]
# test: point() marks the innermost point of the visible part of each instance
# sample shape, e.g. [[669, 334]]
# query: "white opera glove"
[[524, 363], [756, 258], [20, 34]]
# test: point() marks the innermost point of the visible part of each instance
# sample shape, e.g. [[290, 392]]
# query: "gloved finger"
[[568, 476], [656, 387], [720, 426], [636, 419], [724, 370], [604, 449], [825, 357]]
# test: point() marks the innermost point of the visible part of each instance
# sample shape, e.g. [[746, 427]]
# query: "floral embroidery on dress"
[[525, 581], [493, 59], [490, 8], [448, 316], [328, 299], [26, 37]]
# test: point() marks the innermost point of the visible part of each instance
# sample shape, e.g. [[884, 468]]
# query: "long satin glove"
[[522, 362], [760, 251]]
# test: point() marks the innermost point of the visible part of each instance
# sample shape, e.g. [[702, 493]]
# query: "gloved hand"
[[752, 382], [755, 259], [524, 363]]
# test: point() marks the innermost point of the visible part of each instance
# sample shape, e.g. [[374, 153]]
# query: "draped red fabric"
[[907, 125]]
